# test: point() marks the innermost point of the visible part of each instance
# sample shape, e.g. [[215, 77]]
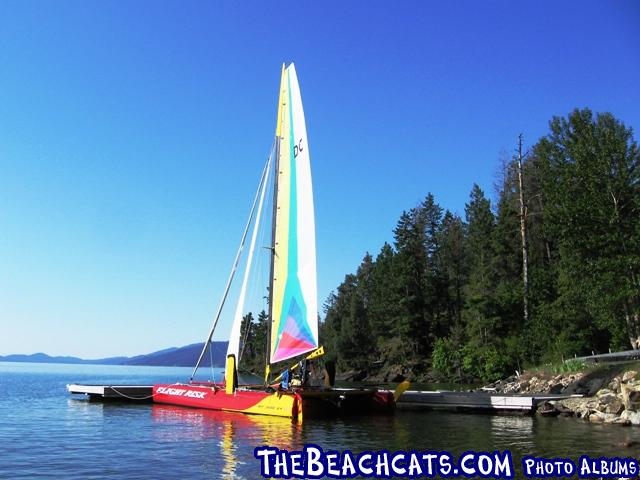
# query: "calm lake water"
[[46, 433]]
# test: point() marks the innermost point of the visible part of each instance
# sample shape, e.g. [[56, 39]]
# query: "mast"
[[276, 176], [273, 255]]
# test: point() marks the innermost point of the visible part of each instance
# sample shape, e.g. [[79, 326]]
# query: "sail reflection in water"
[[233, 430]]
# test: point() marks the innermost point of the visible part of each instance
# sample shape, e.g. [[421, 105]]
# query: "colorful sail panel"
[[294, 328]]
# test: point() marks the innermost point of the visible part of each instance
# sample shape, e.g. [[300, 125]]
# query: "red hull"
[[213, 397], [315, 402]]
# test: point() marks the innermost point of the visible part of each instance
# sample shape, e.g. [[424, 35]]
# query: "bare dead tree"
[[523, 234]]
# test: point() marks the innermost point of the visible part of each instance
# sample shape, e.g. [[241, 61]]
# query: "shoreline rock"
[[610, 395]]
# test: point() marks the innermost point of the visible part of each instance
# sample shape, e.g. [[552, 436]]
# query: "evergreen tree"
[[448, 352], [481, 319], [347, 318], [384, 296], [412, 325], [436, 292], [330, 328], [455, 269], [253, 349], [247, 347], [480, 287]]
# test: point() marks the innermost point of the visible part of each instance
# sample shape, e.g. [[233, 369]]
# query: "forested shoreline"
[[549, 270], [449, 296]]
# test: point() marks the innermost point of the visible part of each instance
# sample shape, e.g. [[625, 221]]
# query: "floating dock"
[[473, 401], [124, 393], [485, 402]]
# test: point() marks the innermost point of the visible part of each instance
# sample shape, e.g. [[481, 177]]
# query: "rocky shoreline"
[[601, 394], [608, 395]]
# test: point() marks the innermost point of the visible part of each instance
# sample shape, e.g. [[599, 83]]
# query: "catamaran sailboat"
[[293, 305]]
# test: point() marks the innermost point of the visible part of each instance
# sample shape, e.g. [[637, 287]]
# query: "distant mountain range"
[[169, 357]]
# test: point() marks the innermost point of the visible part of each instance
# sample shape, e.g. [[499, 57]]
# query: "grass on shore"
[[570, 366], [608, 370]]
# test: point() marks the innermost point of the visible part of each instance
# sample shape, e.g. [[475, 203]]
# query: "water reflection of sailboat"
[[236, 433]]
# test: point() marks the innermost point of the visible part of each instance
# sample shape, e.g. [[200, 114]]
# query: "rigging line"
[[265, 259], [247, 329], [233, 271], [234, 338], [213, 375], [255, 287], [147, 397]]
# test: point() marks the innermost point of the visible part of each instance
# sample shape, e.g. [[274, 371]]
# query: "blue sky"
[[132, 135]]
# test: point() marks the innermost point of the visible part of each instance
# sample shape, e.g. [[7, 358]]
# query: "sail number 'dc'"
[[297, 149]]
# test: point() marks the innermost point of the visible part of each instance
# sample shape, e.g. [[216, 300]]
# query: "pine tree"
[[436, 291], [384, 296], [412, 325], [253, 349], [483, 324], [455, 269], [480, 288]]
